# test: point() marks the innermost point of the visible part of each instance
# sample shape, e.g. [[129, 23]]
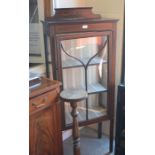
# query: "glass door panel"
[[73, 78], [84, 65]]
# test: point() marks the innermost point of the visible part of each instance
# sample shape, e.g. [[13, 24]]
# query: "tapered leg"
[[75, 130], [99, 130], [111, 135]]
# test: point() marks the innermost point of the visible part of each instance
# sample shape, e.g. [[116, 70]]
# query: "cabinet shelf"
[[70, 63], [96, 88], [94, 112]]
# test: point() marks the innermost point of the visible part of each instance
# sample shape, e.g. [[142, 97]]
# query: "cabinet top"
[[44, 86], [76, 15]]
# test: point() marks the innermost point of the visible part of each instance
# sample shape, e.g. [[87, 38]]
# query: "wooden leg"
[[111, 135], [100, 130], [76, 134]]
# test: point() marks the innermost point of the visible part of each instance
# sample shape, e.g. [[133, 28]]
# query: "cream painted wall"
[[69, 3]]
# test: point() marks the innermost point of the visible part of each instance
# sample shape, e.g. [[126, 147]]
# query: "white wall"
[[69, 3]]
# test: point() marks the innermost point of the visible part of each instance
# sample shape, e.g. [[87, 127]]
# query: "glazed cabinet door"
[[44, 132], [84, 63]]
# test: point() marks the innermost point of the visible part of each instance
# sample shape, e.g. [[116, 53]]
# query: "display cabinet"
[[82, 49]]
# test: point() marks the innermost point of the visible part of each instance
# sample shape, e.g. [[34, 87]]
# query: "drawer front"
[[83, 27], [43, 100]]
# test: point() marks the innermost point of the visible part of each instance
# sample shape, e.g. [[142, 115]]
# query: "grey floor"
[[89, 144]]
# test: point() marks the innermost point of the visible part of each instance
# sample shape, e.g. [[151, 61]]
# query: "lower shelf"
[[92, 113]]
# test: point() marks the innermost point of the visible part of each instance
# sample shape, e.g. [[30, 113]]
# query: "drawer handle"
[[38, 105], [34, 104], [42, 104]]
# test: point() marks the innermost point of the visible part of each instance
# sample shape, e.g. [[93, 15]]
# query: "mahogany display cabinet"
[[81, 46]]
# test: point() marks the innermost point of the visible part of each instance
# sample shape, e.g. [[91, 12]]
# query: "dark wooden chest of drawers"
[[45, 136]]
